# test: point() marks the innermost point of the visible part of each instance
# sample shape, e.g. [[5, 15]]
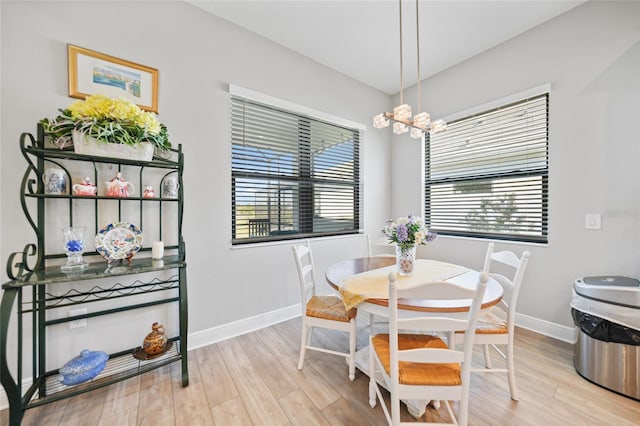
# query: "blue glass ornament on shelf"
[[74, 247]]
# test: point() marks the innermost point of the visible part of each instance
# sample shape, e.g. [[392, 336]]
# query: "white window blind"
[[487, 175], [293, 175]]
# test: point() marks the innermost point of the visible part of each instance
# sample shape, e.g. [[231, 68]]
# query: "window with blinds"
[[293, 176], [487, 176]]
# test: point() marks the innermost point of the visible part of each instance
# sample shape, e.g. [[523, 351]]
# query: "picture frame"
[[93, 73]]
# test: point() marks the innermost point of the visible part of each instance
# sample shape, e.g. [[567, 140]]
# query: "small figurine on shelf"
[[155, 342], [118, 187], [148, 192], [55, 181], [171, 186], [85, 188]]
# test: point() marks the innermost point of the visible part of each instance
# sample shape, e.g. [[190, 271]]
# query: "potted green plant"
[[108, 127]]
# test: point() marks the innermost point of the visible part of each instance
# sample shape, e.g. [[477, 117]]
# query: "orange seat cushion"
[[490, 324], [414, 373], [329, 307]]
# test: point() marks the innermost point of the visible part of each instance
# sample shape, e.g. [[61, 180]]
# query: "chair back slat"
[[432, 323], [439, 290], [505, 282], [507, 287], [432, 356], [306, 275], [506, 257]]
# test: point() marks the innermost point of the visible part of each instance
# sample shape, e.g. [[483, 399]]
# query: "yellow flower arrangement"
[[109, 120]]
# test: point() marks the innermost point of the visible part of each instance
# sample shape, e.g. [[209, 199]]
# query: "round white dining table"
[[338, 272]]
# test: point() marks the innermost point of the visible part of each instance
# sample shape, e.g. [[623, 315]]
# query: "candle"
[[157, 250]]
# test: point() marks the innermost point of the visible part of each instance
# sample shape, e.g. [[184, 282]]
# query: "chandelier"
[[401, 116]]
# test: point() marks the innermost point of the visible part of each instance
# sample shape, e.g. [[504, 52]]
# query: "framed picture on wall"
[[93, 73]]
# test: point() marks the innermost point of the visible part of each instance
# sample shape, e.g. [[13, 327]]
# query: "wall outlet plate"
[[79, 322], [593, 221]]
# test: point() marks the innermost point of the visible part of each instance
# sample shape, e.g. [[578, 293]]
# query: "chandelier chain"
[[401, 76], [402, 119], [418, 54]]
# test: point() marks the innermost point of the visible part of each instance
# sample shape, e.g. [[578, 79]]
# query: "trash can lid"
[[612, 280], [623, 291]]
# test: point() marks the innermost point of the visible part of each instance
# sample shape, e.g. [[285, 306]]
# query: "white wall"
[[591, 58], [197, 55]]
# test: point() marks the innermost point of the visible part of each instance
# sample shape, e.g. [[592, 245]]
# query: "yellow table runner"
[[373, 284]]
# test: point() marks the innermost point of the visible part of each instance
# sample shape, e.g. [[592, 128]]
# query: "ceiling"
[[360, 38]]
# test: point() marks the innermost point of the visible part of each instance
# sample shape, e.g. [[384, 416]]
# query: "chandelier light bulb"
[[380, 121], [422, 120], [402, 112], [416, 133], [438, 126], [399, 128]]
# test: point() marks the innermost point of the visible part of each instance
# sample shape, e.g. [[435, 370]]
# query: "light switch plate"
[[593, 221]]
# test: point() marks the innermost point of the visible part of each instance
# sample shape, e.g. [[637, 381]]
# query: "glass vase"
[[73, 237], [405, 259]]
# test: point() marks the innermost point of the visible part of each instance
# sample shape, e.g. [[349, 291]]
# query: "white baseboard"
[[557, 331], [243, 326], [247, 325]]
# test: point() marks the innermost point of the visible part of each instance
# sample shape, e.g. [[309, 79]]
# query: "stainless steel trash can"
[[607, 351]]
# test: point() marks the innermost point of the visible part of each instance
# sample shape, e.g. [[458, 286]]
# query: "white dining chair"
[[370, 245], [321, 311], [418, 365], [497, 327]]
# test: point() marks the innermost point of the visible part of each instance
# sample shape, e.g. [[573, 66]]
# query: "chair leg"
[[487, 356], [512, 372], [463, 412], [352, 349], [372, 321], [395, 408], [372, 375], [303, 345]]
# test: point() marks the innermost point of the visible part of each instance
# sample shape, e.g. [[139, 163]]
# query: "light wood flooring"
[[253, 380]]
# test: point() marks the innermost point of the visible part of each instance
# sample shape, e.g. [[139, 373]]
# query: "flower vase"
[[405, 258], [74, 247]]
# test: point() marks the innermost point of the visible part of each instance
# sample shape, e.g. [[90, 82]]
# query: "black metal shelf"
[[70, 155], [95, 270], [38, 287], [100, 197]]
